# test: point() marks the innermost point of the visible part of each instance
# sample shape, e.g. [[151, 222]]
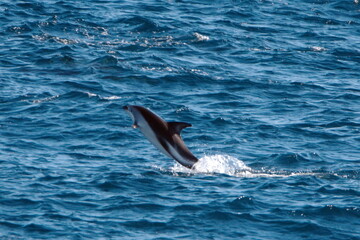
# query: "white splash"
[[90, 95], [200, 37], [228, 165], [221, 164], [224, 164], [318, 49], [111, 98], [48, 99]]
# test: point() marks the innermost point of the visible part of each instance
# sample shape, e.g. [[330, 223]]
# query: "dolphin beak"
[[125, 108]]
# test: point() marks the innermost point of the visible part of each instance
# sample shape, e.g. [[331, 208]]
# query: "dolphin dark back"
[[154, 120]]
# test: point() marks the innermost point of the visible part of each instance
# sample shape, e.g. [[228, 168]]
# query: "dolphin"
[[162, 134]]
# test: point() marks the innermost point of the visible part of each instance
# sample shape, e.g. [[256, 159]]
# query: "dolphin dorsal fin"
[[176, 127]]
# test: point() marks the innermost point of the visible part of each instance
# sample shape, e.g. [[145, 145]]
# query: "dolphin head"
[[134, 114]]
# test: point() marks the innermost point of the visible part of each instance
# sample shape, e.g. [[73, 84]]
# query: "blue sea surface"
[[271, 87]]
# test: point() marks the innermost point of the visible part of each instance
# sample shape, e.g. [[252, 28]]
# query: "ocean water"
[[271, 87]]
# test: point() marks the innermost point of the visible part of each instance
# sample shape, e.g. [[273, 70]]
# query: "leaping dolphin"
[[163, 135]]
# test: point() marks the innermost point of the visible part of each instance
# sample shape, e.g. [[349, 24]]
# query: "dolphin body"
[[163, 135]]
